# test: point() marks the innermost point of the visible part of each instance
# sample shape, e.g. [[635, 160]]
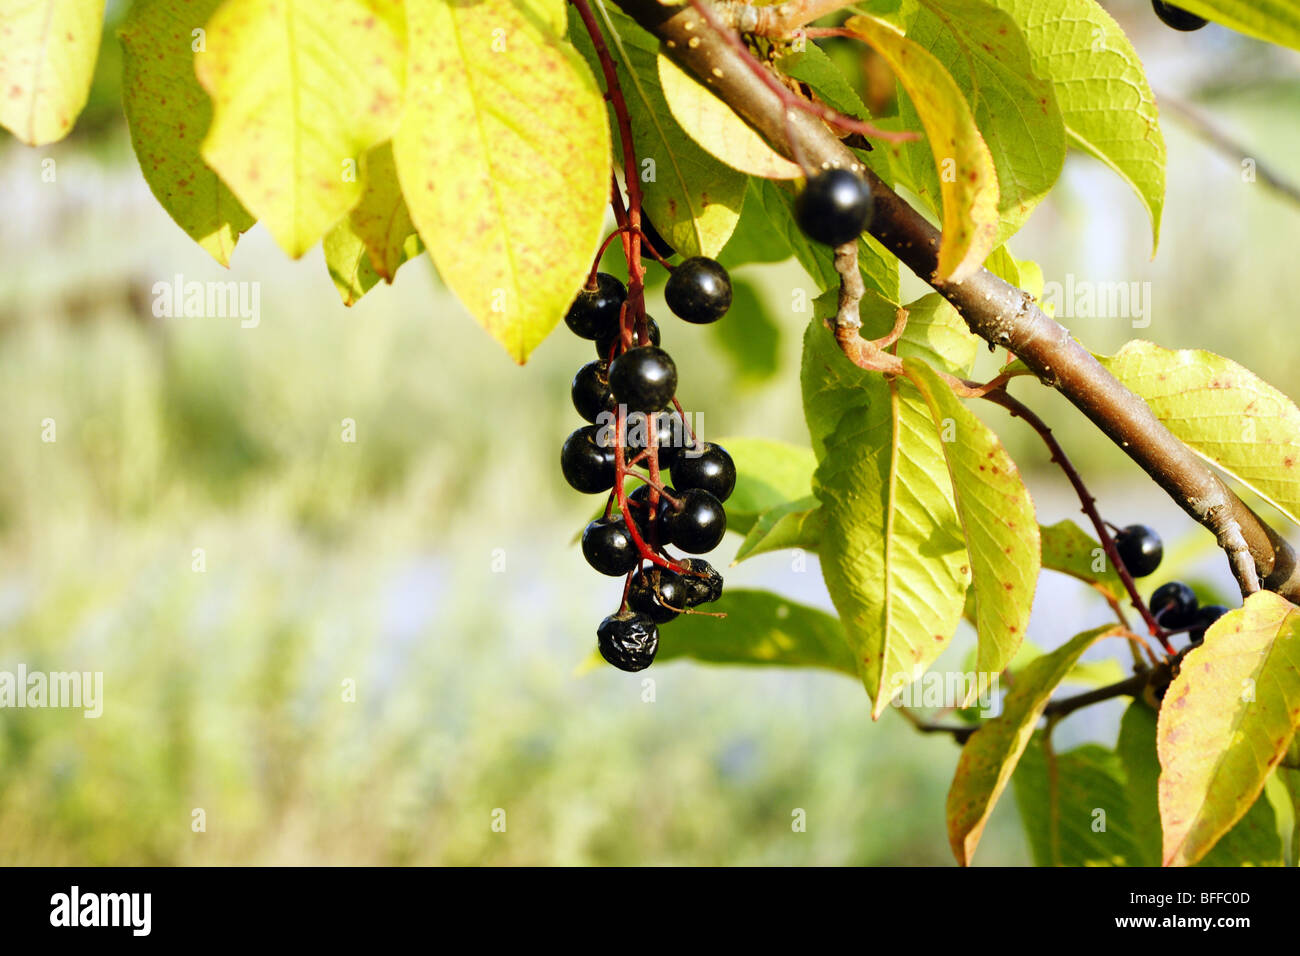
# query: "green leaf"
[[768, 473], [1226, 721], [1101, 90], [168, 114], [938, 335], [1014, 106], [348, 263], [990, 755], [969, 184], [47, 60], [381, 218], [1224, 412], [892, 551], [1274, 21], [503, 157], [1021, 273], [794, 524], [300, 90], [715, 126], [997, 520], [1254, 840], [757, 236], [693, 199], [1070, 550], [761, 629], [1077, 814], [812, 66]]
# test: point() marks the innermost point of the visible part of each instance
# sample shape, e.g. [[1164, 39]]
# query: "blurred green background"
[[431, 562]]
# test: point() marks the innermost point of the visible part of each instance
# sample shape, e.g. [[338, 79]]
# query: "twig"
[[993, 309]]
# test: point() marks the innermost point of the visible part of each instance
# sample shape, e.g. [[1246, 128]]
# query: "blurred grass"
[[431, 561]]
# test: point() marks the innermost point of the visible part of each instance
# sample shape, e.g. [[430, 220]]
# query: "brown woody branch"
[[993, 309]]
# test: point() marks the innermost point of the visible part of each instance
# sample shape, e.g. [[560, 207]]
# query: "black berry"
[[1177, 17], [1205, 616], [657, 593], [699, 291], [834, 207], [608, 547], [587, 460], [1140, 548], [712, 470], [657, 241], [644, 379], [590, 391], [628, 640], [594, 312], [665, 428], [1174, 605], [605, 344], [697, 526], [702, 587], [638, 503]]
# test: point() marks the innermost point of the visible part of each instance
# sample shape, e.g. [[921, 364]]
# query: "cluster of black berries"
[[628, 397], [1174, 605], [1177, 17]]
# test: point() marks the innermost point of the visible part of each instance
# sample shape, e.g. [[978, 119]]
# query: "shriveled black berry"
[[644, 379], [587, 460], [1174, 605], [698, 525], [699, 291], [591, 392], [659, 243], [608, 547], [1140, 548], [628, 640], [657, 593], [594, 313], [701, 590], [834, 207], [605, 344], [665, 428], [711, 470], [1205, 616], [1177, 17]]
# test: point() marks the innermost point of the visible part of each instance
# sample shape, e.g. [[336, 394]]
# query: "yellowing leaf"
[[169, 114], [1014, 105], [990, 756], [717, 128], [892, 551], [47, 59], [997, 519], [1226, 721], [503, 156], [1223, 412], [967, 178], [301, 89], [1274, 21], [381, 218]]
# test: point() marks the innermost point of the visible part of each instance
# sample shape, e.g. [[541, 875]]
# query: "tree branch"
[[996, 311]]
